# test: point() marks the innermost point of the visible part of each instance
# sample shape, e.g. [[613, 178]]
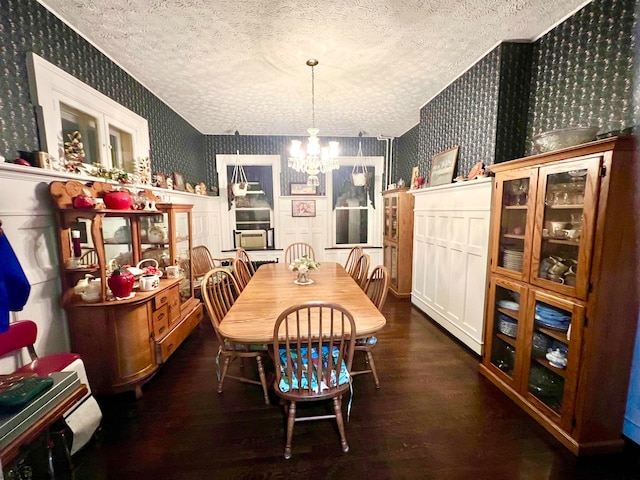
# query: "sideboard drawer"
[[166, 346], [160, 321]]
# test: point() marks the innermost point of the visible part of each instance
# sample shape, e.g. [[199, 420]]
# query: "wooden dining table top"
[[271, 290]]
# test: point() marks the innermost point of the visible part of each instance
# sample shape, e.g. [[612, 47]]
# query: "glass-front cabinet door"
[[154, 240], [554, 344], [515, 193], [505, 319], [118, 241], [563, 237], [181, 252]]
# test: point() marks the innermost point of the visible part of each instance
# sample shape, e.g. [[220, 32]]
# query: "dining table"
[[271, 290]]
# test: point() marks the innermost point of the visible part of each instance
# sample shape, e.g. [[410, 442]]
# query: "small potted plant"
[[302, 266]]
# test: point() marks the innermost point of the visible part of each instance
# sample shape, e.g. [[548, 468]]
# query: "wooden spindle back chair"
[[219, 292], [361, 270], [313, 350], [241, 273], [298, 250], [242, 254], [376, 289], [355, 254]]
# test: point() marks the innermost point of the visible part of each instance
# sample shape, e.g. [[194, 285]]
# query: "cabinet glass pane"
[[394, 265], [513, 223], [116, 232], [549, 354], [562, 226], [505, 329], [182, 253], [154, 239]]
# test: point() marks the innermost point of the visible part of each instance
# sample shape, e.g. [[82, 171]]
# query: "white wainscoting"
[[26, 211], [450, 256]]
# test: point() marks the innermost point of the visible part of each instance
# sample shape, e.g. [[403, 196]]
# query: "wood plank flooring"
[[434, 417]]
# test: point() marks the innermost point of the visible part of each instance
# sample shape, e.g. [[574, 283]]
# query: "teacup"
[[149, 282], [572, 234], [173, 271], [555, 278], [558, 269]]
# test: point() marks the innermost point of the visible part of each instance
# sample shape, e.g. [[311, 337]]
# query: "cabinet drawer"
[[165, 297], [174, 306], [169, 344], [160, 321]]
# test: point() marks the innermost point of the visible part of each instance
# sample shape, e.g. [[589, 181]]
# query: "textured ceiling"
[[240, 64]]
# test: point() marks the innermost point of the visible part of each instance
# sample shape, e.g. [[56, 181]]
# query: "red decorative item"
[[118, 200], [82, 201], [121, 282]]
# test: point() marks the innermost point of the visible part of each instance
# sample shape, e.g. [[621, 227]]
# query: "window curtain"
[[343, 174]]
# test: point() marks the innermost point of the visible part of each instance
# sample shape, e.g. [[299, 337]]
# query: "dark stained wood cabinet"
[[563, 294]]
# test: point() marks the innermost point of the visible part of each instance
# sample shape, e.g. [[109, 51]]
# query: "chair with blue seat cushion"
[[376, 289], [219, 292], [313, 350]]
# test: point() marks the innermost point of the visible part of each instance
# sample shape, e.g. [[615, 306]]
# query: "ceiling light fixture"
[[313, 159]]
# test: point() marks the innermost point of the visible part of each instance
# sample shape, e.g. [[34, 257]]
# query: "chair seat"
[[243, 347], [369, 341], [51, 363], [343, 378]]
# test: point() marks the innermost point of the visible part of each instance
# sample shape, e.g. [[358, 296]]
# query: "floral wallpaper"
[[279, 145], [407, 148], [580, 73], [27, 26]]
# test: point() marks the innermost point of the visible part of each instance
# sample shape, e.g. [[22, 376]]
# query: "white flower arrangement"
[[303, 265]]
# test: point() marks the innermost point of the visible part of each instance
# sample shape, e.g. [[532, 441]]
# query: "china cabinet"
[[451, 256], [397, 241], [562, 302], [123, 341]]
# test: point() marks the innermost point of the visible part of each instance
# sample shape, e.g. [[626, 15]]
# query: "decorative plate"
[[475, 170]]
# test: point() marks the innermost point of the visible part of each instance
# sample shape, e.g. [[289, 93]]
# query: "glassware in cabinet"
[[563, 236], [505, 320], [554, 336], [154, 239], [515, 198], [118, 240]]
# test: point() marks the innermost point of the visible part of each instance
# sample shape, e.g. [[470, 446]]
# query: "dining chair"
[[361, 270], [201, 261], [298, 250], [219, 291], [242, 254], [241, 273], [313, 366], [354, 254], [90, 257], [376, 289]]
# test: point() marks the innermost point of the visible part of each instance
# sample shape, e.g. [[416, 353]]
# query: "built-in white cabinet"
[[450, 256]]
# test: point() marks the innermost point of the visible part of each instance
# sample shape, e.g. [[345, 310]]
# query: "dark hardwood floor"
[[434, 417]]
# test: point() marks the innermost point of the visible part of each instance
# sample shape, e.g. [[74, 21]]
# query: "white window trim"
[[51, 86], [374, 225], [222, 161]]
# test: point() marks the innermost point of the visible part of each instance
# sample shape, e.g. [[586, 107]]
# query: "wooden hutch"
[[123, 342]]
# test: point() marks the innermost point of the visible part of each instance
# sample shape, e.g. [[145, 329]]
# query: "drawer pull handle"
[[163, 300], [160, 317], [170, 347], [161, 330]]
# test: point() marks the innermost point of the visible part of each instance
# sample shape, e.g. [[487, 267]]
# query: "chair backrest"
[[241, 273], [361, 270], [242, 254], [352, 259], [21, 334], [219, 293], [377, 285], [331, 326], [90, 257], [201, 261], [298, 250]]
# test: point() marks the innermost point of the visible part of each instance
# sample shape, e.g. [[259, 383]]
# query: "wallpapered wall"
[[27, 26], [581, 72], [279, 145], [405, 155]]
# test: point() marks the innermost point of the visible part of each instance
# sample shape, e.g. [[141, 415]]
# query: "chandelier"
[[313, 159]]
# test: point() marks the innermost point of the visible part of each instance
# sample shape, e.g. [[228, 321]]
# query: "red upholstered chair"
[[22, 334]]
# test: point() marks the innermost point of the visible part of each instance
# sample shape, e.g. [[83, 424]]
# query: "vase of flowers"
[[302, 266]]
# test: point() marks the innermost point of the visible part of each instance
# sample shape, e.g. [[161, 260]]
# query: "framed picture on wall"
[[178, 181], [302, 189], [443, 165], [414, 177], [303, 208], [160, 180]]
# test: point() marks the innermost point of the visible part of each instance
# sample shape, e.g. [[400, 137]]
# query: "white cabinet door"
[[451, 239]]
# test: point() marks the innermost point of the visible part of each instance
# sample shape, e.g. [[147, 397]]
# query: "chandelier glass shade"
[[313, 159]]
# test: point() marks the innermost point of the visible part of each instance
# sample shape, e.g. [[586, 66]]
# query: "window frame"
[[374, 217], [51, 86]]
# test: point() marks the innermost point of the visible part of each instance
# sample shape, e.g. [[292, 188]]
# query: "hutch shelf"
[[123, 342], [397, 243], [562, 302]]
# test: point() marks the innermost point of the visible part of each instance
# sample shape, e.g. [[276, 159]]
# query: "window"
[[356, 220], [112, 135]]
